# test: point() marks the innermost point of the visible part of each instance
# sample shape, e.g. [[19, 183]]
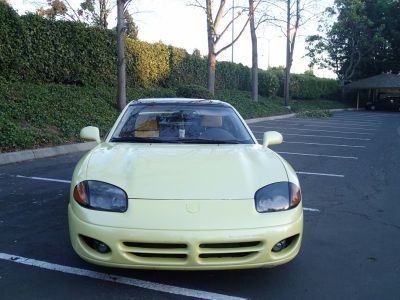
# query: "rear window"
[[181, 123]]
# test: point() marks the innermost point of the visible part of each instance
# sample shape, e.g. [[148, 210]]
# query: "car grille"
[[182, 253]]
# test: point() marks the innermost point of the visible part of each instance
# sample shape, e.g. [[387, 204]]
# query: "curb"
[[345, 109], [256, 120], [18, 156]]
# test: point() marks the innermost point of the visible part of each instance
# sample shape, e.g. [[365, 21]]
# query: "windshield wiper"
[[205, 141], [173, 141], [136, 140]]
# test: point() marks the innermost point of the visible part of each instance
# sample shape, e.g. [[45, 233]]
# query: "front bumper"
[[185, 249]]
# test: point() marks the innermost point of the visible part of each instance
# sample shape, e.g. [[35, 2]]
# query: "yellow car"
[[183, 184]]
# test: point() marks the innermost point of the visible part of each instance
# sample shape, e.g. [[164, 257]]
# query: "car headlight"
[[100, 196], [277, 197]]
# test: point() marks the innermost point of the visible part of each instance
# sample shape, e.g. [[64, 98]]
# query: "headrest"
[[144, 123], [211, 121]]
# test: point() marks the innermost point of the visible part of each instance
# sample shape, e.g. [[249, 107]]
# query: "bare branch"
[[197, 4], [234, 41], [219, 14], [73, 10], [227, 26]]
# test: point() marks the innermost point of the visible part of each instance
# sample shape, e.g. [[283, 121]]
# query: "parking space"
[[348, 167]]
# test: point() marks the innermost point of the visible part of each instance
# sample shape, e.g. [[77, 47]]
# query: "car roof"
[[178, 101]]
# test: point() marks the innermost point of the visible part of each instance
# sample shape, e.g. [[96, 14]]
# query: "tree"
[[214, 35], [95, 12], [346, 42], [255, 22], [384, 57], [122, 7], [290, 16], [56, 8], [132, 30], [254, 53]]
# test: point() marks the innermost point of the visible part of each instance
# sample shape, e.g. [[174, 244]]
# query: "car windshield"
[[191, 123]]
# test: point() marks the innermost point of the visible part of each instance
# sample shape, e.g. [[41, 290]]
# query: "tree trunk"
[[212, 62], [121, 64], [254, 54], [288, 63], [212, 57], [103, 13]]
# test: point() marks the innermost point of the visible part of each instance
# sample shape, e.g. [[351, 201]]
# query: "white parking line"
[[345, 118], [170, 289], [44, 179], [320, 174], [358, 120], [331, 122], [328, 136], [321, 144], [319, 130], [322, 136], [317, 155], [319, 125], [311, 209], [365, 129], [350, 120]]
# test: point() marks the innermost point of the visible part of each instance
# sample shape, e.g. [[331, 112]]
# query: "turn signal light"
[[295, 195], [80, 194]]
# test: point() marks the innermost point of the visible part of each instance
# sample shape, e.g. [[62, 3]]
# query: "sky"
[[176, 23]]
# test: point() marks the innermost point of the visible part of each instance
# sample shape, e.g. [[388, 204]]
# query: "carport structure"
[[376, 85]]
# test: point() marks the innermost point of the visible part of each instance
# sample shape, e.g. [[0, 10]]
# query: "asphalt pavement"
[[349, 170]]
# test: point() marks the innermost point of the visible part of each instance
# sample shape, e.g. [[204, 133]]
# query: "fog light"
[[279, 246], [96, 244], [100, 246]]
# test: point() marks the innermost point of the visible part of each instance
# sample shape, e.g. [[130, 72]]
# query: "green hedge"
[[193, 91], [310, 87], [186, 69], [147, 64], [41, 50], [10, 42], [36, 49], [268, 83]]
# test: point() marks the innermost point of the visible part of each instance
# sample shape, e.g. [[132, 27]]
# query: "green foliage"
[[268, 83], [309, 72], [147, 64], [353, 45], [37, 49], [310, 87], [11, 42], [232, 76], [33, 115], [248, 109], [315, 114], [132, 30], [310, 105], [186, 69], [193, 91]]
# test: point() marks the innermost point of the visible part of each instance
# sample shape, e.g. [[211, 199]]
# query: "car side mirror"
[[90, 133], [272, 138]]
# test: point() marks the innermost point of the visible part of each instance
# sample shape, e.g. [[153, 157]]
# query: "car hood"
[[190, 172]]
